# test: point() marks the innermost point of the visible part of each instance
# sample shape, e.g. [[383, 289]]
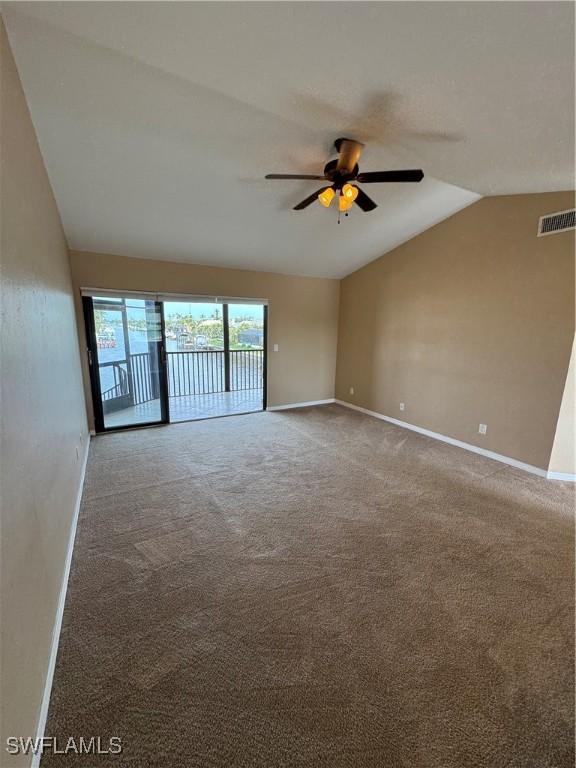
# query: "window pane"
[[246, 323], [192, 327]]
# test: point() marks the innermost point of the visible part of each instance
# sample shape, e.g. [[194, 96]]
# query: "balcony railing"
[[195, 373], [202, 373], [118, 375], [189, 373], [142, 378], [246, 369]]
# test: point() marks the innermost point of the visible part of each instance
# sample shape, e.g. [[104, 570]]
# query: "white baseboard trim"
[[59, 614], [460, 444], [300, 405], [565, 476]]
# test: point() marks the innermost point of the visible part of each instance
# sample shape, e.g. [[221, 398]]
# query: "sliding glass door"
[[155, 361], [126, 356]]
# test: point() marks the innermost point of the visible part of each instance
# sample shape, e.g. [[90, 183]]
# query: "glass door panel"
[[127, 367], [196, 358], [246, 338]]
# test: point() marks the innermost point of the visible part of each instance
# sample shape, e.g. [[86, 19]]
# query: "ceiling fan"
[[340, 173]]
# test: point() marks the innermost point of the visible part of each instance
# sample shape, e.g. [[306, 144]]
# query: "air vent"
[[556, 222]]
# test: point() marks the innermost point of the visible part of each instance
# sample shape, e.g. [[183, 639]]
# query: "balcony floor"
[[189, 407]]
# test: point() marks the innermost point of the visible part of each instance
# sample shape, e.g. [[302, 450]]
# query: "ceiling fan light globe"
[[326, 197], [350, 192], [344, 204]]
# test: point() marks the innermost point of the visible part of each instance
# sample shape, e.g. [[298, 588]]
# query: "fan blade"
[[311, 199], [365, 202], [376, 176], [349, 152], [292, 176]]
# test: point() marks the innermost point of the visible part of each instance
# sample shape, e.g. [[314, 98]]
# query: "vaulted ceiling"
[[158, 121]]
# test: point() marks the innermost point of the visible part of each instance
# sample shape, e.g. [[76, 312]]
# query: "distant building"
[[252, 336]]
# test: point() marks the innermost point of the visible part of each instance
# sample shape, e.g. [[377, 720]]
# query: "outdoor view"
[[188, 326], [200, 326]]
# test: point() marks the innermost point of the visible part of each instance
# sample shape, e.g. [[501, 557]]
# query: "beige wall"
[[563, 458], [42, 415], [470, 322], [302, 314]]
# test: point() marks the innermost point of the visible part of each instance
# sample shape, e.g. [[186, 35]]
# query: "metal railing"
[[203, 373], [195, 373], [120, 377], [246, 369], [189, 373], [142, 384]]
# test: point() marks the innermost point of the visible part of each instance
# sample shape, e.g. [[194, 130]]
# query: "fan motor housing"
[[337, 177]]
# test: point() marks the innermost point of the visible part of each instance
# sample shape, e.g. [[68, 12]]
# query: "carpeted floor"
[[319, 589]]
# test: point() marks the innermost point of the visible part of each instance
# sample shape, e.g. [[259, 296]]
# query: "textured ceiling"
[[158, 121]]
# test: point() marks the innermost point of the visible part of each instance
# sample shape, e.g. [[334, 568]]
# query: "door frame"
[[265, 361], [93, 368]]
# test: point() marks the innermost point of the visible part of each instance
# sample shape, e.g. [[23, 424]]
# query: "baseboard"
[[300, 405], [565, 476], [460, 444], [59, 614]]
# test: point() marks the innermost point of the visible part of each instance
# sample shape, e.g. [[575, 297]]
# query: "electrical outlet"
[[351, 390], [482, 429], [275, 347], [402, 406]]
